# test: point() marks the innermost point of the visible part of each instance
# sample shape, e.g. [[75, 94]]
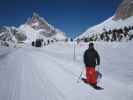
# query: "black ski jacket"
[[91, 58]]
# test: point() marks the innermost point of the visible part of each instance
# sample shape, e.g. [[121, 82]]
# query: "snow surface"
[[33, 34], [50, 73], [108, 24]]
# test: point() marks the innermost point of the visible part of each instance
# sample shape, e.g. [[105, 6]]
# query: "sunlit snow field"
[[51, 73]]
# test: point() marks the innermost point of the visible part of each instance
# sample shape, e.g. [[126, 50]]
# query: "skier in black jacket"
[[91, 59], [91, 56]]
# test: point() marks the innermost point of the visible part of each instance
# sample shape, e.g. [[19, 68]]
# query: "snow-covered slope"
[[51, 74], [11, 36], [123, 17], [31, 34], [107, 25]]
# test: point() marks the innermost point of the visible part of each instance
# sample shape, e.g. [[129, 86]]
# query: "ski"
[[96, 87]]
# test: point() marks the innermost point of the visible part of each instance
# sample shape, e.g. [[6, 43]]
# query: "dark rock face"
[[38, 22], [124, 10]]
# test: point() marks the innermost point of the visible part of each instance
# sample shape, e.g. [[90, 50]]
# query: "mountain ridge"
[[35, 27], [112, 23]]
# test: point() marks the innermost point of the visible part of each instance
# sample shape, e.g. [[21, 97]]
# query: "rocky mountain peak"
[[124, 10], [37, 22]]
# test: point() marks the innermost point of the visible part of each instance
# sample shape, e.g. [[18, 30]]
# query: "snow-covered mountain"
[[34, 28], [11, 35], [37, 27], [121, 19]]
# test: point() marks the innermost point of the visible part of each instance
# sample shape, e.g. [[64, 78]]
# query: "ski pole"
[[99, 75], [79, 77]]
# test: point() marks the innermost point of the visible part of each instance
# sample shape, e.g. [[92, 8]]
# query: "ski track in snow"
[[51, 74]]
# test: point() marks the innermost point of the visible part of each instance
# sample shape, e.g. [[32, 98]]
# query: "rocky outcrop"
[[124, 10]]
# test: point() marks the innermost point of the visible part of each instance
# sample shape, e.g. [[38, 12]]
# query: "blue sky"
[[71, 16]]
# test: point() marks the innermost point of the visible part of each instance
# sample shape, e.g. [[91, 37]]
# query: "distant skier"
[[91, 59]]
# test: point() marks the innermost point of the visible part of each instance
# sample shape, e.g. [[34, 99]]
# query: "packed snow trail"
[[51, 74]]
